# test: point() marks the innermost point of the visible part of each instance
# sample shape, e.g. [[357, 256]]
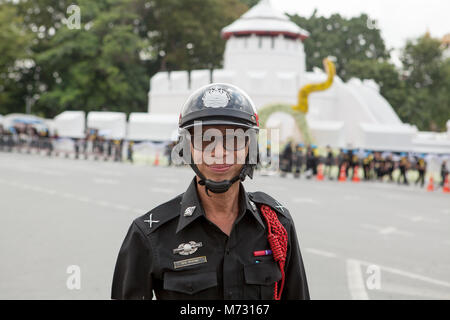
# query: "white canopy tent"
[[70, 124], [113, 125], [152, 127], [14, 119]]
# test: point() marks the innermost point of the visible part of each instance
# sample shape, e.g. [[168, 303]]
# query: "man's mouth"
[[219, 167]]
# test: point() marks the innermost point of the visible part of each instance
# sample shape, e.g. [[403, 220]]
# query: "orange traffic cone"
[[156, 163], [446, 187], [320, 173], [355, 177], [430, 186], [342, 176]]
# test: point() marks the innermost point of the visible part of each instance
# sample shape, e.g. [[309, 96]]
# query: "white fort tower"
[[265, 56]]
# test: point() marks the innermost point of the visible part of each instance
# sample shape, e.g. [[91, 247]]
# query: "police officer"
[[214, 241], [421, 167], [286, 159], [298, 160]]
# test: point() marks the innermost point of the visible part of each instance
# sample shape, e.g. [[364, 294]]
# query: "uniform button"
[[190, 287], [227, 251], [230, 294]]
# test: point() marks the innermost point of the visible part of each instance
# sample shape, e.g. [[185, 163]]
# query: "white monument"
[[265, 56]]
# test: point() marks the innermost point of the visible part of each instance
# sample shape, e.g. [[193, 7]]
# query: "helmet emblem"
[[216, 98]]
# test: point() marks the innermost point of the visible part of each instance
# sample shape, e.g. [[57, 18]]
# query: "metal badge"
[[216, 98], [150, 221], [189, 211], [252, 204], [186, 249]]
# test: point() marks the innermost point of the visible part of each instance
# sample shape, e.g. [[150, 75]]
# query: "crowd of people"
[[296, 159], [28, 137], [299, 159]]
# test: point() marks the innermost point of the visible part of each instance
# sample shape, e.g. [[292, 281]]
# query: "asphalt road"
[[358, 240]]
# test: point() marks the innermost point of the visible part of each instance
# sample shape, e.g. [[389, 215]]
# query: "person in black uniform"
[[286, 159], [212, 241], [403, 166], [444, 172], [298, 160]]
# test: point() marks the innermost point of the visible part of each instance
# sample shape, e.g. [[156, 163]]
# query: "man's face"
[[219, 151]]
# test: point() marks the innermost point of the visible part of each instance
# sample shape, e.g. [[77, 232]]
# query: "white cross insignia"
[[150, 221], [280, 206]]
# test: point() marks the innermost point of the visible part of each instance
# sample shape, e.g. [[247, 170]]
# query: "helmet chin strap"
[[218, 186]]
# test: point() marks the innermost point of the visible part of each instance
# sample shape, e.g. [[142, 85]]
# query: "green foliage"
[[427, 81], [250, 3], [346, 39], [107, 63], [14, 48]]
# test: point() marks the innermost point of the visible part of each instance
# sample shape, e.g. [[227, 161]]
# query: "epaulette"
[[264, 198], [159, 215]]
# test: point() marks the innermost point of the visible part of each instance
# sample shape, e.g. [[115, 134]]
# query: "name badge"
[[189, 262]]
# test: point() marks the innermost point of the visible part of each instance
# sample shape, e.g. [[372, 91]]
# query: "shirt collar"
[[191, 208]]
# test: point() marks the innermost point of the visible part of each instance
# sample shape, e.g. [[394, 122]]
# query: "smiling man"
[[214, 241]]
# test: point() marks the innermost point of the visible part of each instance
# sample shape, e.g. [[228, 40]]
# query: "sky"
[[398, 20]]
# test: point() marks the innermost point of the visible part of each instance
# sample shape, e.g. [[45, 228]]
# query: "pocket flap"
[[189, 283], [262, 273]]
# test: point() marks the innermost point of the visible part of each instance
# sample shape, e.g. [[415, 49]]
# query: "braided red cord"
[[278, 241]]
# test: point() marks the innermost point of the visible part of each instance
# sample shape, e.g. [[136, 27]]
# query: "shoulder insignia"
[[264, 198], [158, 216]]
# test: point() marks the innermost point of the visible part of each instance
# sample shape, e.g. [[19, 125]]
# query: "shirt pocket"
[[260, 280], [186, 285]]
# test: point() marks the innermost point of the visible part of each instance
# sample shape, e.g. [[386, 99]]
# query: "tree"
[[14, 57], [96, 67], [107, 63], [250, 3], [185, 35], [354, 39], [385, 74], [427, 79]]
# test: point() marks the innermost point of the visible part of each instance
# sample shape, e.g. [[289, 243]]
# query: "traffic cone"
[[430, 186], [446, 187], [320, 173], [355, 177], [156, 163], [342, 176]]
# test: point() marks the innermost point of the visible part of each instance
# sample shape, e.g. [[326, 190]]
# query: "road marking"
[[140, 211], [102, 203], [122, 207], [305, 200], [409, 274], [355, 280], [68, 195], [386, 230], [321, 253], [418, 218], [105, 181], [351, 197], [411, 291], [162, 190]]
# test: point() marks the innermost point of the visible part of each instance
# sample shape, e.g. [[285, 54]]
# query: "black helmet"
[[222, 104], [219, 104]]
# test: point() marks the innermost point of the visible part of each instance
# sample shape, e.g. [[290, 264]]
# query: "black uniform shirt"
[[207, 264]]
